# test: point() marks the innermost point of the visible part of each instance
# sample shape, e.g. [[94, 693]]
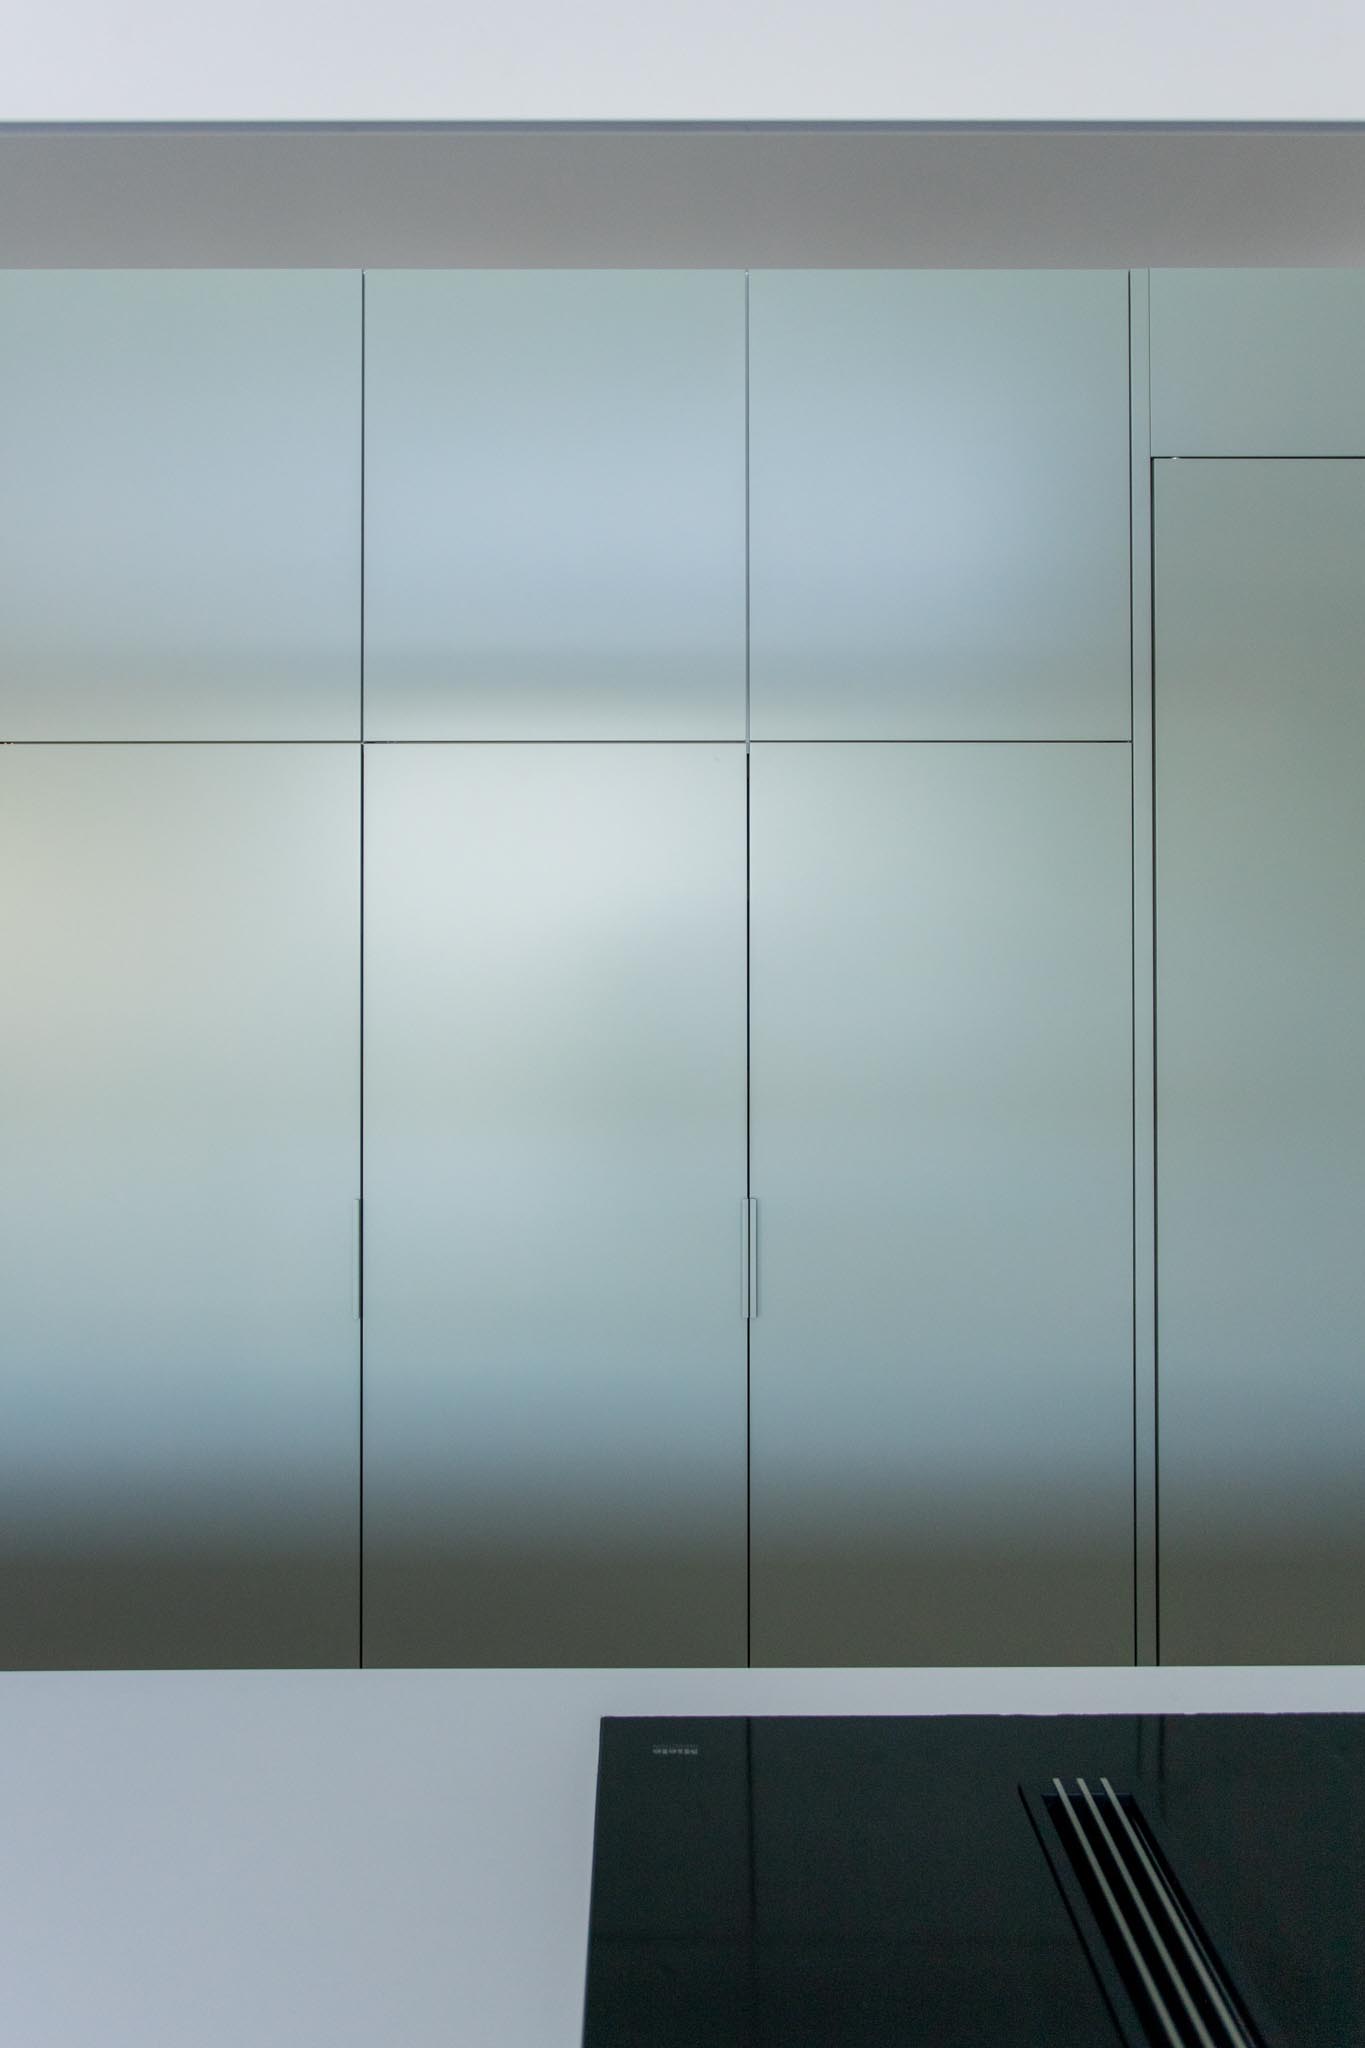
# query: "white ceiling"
[[755, 196], [682, 60]]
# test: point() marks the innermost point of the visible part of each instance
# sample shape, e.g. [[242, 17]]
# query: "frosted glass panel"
[[180, 498], [179, 1100], [939, 504], [554, 1174], [942, 1375], [554, 493]]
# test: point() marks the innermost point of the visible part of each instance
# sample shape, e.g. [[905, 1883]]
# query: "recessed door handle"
[[750, 1268]]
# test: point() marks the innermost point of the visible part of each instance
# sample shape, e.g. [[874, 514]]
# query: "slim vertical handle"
[[358, 1261], [750, 1269]]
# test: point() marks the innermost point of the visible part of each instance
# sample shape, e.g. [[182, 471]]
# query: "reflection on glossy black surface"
[[877, 1883]]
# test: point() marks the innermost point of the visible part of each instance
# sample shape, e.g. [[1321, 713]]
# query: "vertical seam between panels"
[[1132, 974], [748, 1042], [1156, 1121], [360, 1511]]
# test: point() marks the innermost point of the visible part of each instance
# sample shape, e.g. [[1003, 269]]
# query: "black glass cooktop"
[[950, 1882]]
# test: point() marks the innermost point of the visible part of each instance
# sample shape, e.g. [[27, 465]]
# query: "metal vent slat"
[[1185, 1999], [1235, 2031], [1120, 1924]]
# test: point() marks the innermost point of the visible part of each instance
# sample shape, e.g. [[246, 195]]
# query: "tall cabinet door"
[[179, 1450], [1260, 835], [554, 1179], [941, 1156]]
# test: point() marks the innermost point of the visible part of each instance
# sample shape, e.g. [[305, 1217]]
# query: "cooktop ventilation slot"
[[1177, 1985]]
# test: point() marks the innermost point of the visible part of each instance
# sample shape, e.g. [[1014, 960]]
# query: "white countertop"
[[315, 1859]]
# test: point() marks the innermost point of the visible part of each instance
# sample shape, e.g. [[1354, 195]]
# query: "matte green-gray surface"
[[178, 1093], [1258, 362], [942, 1363], [180, 500], [939, 504], [554, 1177], [1260, 839]]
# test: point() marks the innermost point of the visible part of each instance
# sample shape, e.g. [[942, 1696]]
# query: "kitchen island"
[[324, 1859]]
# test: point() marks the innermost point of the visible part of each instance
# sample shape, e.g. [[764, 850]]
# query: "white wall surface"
[[682, 60]]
